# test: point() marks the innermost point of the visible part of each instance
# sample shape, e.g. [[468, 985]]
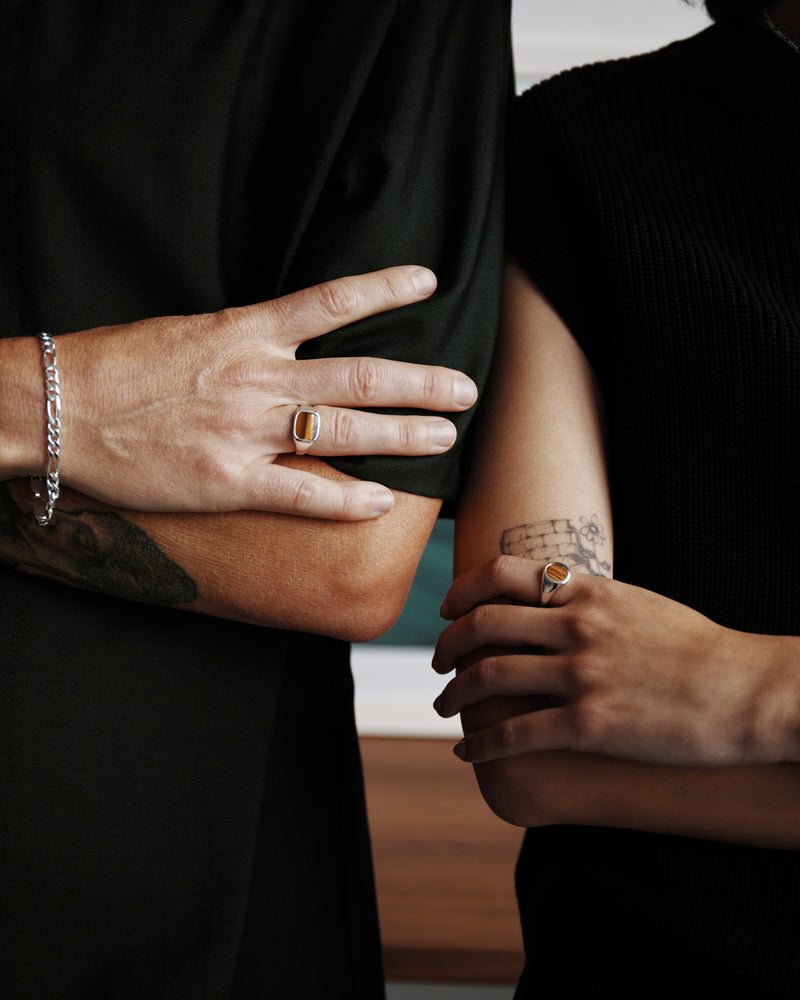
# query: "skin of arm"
[[191, 414], [348, 580], [542, 405], [188, 413]]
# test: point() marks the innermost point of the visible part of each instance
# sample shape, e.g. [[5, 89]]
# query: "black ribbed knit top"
[[655, 202]]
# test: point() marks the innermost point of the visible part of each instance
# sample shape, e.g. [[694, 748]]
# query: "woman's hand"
[[188, 413], [628, 673]]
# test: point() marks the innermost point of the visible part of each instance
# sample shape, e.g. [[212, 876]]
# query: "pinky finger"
[[305, 494]]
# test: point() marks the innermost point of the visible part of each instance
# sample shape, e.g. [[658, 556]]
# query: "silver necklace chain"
[[773, 27]]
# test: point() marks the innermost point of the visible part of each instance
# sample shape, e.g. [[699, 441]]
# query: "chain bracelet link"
[[45, 499]]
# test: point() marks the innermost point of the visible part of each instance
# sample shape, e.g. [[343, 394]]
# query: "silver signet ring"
[[305, 428], [554, 575]]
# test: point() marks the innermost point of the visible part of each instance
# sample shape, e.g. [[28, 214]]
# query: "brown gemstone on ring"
[[554, 575], [306, 426], [557, 572]]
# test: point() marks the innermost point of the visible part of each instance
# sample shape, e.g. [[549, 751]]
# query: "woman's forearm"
[[756, 806], [605, 667]]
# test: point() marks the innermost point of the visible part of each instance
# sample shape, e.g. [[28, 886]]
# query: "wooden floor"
[[444, 867]]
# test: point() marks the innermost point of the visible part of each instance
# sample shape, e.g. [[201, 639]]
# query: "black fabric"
[[654, 201], [167, 167], [182, 808]]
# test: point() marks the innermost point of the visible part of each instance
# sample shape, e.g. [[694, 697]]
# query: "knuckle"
[[241, 373], [236, 321], [486, 673], [481, 618], [395, 287], [338, 299], [204, 468], [583, 671], [349, 505], [278, 315], [222, 487], [227, 319], [508, 736], [342, 430], [431, 387], [500, 568], [584, 722], [365, 380], [302, 496], [581, 621], [409, 437]]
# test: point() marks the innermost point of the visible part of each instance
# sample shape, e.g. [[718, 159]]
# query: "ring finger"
[[357, 432]]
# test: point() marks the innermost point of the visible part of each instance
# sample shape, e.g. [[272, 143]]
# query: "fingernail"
[[460, 749], [435, 662], [437, 705], [382, 501], [464, 390], [443, 434], [424, 281], [443, 610]]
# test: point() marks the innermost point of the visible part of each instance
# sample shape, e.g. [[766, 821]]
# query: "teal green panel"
[[420, 624]]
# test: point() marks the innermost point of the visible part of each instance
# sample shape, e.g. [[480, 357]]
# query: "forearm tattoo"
[[92, 549], [576, 545]]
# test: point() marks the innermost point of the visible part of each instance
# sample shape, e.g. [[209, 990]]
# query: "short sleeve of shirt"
[[417, 178]]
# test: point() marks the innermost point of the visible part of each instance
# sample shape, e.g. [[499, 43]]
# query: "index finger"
[[509, 626], [377, 382], [504, 576], [314, 311]]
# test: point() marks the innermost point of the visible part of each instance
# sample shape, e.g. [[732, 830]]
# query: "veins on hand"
[[95, 550], [577, 545]]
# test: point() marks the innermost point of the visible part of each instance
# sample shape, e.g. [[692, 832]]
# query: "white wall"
[[551, 35]]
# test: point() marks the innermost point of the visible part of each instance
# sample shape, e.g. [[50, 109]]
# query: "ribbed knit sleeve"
[[654, 202], [550, 225]]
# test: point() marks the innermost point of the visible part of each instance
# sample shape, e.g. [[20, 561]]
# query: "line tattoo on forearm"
[[577, 545]]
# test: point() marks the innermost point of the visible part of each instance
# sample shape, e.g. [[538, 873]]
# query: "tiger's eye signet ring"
[[305, 428], [554, 575]]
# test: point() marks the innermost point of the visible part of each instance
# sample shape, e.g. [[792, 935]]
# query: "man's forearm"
[[91, 547], [342, 579]]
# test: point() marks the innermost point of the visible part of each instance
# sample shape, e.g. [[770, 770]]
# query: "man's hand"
[[625, 672], [189, 413]]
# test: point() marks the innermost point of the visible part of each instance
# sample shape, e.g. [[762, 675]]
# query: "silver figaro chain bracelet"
[[46, 488]]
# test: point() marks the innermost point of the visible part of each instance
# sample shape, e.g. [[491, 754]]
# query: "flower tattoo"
[[592, 530]]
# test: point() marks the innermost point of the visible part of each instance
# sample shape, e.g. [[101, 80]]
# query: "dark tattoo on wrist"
[[92, 549], [576, 545]]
